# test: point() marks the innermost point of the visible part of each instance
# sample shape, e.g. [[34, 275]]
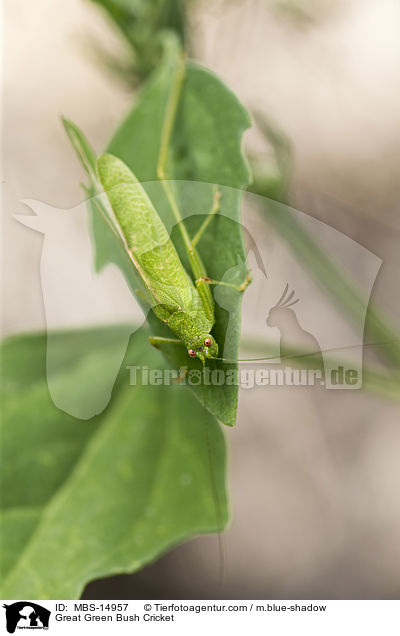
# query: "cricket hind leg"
[[166, 136], [209, 217], [196, 263], [203, 282]]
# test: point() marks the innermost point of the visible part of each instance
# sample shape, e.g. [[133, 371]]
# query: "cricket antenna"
[[308, 354], [217, 502]]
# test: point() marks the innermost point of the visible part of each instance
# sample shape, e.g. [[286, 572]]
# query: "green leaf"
[[205, 150], [92, 498]]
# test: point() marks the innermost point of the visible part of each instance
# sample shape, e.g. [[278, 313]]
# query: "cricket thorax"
[[195, 335]]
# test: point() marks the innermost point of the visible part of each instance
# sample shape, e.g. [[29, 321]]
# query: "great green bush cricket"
[[186, 306], [185, 303]]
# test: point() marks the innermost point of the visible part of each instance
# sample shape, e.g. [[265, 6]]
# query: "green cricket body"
[[174, 298]]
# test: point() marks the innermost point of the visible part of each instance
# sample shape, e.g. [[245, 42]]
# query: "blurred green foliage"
[[147, 26]]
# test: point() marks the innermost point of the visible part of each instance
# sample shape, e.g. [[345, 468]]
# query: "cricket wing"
[[145, 236]]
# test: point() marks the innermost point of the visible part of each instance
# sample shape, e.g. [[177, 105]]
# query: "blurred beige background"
[[314, 474]]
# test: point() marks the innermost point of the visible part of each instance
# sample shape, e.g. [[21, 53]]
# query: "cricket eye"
[[192, 353], [207, 342]]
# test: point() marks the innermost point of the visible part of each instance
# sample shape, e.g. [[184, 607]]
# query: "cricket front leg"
[[158, 341]]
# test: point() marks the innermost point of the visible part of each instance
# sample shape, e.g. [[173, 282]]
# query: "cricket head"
[[205, 347]]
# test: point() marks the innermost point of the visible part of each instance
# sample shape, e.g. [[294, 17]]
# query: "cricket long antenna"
[[218, 512], [305, 355]]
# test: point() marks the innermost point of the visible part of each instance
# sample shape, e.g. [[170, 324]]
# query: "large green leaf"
[[205, 150], [85, 499]]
